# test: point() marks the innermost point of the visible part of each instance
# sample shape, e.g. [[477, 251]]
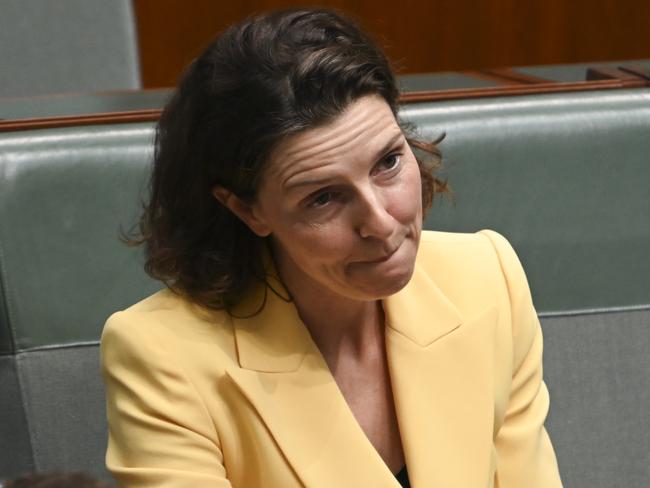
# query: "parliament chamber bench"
[[564, 175]]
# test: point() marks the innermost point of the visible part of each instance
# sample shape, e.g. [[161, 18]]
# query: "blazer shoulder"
[[452, 249], [165, 307], [459, 246], [472, 269], [171, 323]]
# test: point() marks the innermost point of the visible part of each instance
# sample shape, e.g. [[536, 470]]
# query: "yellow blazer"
[[200, 398]]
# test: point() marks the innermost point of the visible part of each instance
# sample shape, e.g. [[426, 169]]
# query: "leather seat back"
[[64, 195], [67, 46], [563, 176]]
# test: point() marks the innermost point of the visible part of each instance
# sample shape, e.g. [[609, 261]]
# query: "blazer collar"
[[275, 339], [269, 335], [420, 311]]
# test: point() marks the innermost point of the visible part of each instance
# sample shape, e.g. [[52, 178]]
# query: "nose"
[[374, 218]]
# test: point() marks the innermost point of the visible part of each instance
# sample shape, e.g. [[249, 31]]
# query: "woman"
[[311, 333]]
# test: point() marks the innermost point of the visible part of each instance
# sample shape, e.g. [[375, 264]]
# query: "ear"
[[245, 211]]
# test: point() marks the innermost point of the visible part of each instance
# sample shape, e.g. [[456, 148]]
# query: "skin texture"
[[342, 204]]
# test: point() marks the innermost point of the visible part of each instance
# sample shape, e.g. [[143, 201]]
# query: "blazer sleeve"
[[160, 433], [525, 456]]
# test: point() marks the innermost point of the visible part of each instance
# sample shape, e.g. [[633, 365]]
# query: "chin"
[[399, 283], [381, 280], [381, 289]]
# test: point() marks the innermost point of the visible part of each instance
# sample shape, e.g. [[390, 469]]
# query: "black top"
[[403, 478]]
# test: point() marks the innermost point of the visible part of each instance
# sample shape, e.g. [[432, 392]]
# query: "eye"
[[390, 162], [321, 199]]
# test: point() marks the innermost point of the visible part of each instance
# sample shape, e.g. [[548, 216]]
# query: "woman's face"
[[343, 205]]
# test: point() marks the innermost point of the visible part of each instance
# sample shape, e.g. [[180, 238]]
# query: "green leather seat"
[[67, 46], [64, 193], [564, 176], [442, 81]]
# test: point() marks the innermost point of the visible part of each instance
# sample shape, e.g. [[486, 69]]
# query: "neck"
[[345, 333], [341, 327]]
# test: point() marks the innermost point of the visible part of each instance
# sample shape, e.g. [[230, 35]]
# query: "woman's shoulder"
[[171, 325], [440, 250], [485, 246], [479, 267], [444, 239], [166, 308]]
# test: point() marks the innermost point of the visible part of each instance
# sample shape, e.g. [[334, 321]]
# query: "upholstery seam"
[[593, 311], [131, 22], [54, 347], [23, 402], [4, 291]]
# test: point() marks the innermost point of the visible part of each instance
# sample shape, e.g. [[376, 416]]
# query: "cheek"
[[312, 245], [406, 199]]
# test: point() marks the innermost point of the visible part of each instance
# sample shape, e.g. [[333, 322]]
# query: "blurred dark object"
[[56, 480]]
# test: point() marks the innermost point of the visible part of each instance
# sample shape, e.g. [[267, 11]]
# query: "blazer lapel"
[[442, 372], [287, 381], [442, 376]]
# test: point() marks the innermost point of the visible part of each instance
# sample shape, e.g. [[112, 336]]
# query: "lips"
[[382, 258]]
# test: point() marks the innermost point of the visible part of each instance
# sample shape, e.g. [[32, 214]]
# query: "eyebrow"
[[382, 152]]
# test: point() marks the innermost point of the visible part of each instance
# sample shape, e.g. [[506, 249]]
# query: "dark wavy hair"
[[257, 83]]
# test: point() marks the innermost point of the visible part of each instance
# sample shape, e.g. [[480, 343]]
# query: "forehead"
[[362, 128]]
